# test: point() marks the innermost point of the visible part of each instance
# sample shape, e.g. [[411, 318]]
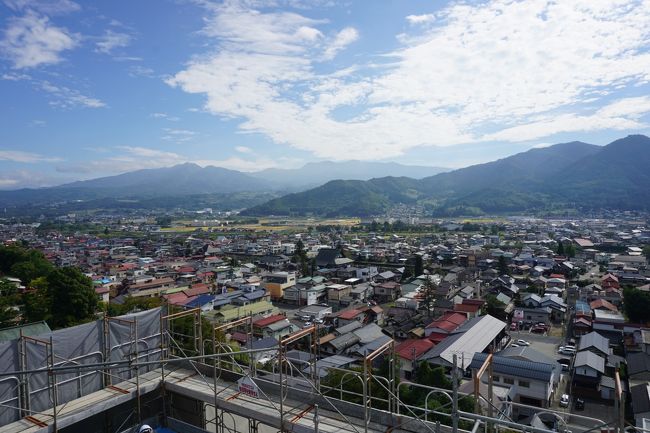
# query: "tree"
[[418, 266], [560, 248], [494, 307], [503, 266], [73, 298], [428, 291], [36, 302], [646, 253], [8, 313], [637, 305]]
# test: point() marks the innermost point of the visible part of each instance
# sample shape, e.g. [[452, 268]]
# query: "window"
[[495, 378], [524, 384], [508, 381]]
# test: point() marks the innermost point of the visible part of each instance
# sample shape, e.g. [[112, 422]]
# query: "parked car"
[[513, 326], [579, 404], [319, 321], [564, 400], [514, 345], [523, 343], [568, 351], [538, 329]]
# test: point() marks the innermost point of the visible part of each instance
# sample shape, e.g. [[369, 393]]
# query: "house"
[[409, 353], [352, 315], [608, 281], [603, 304], [638, 367], [439, 329], [640, 395], [588, 368], [531, 383], [336, 292], [481, 333], [277, 282], [386, 291], [275, 326], [596, 343]]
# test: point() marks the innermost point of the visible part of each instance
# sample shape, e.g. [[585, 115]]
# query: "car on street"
[[564, 400], [523, 343], [514, 345]]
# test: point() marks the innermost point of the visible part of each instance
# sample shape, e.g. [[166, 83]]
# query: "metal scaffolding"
[[128, 348]]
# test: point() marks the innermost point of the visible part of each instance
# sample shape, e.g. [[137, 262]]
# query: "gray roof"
[[515, 367], [475, 334], [638, 362], [368, 333], [373, 345], [590, 359], [640, 398], [322, 365], [595, 340], [344, 341], [352, 326]]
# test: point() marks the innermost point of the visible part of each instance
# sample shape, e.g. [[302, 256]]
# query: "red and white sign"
[[248, 387]]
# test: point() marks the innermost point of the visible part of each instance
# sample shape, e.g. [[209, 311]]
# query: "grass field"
[[266, 225]]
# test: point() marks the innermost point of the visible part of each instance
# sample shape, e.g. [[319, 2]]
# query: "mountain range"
[[568, 175], [208, 186]]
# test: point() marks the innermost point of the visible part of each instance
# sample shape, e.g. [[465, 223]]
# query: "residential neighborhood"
[[542, 301]]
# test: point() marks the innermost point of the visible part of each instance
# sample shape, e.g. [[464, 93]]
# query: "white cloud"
[[64, 97], [129, 158], [342, 39], [25, 157], [243, 149], [49, 7], [15, 77], [112, 40], [620, 115], [32, 40], [499, 70], [178, 135], [421, 19], [165, 116]]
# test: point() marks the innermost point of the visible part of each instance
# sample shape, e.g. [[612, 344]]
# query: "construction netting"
[[133, 337]]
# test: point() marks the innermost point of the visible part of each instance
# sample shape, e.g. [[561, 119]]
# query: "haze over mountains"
[[567, 175], [223, 184]]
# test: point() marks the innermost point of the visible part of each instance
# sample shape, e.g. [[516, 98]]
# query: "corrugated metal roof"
[[475, 334], [590, 359], [515, 367]]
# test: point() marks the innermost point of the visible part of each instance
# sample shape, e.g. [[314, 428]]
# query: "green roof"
[[30, 329]]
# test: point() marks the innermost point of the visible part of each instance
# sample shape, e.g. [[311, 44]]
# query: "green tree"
[[636, 305], [73, 298], [418, 266], [560, 248], [428, 292], [8, 312], [503, 266], [646, 253], [37, 302]]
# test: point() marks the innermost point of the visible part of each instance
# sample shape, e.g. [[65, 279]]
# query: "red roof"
[[179, 298], [266, 321], [448, 322], [467, 308], [602, 303], [197, 289], [408, 348], [239, 337], [609, 277], [349, 314], [186, 270], [473, 301], [556, 276]]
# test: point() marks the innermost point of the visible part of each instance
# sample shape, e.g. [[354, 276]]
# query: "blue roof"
[[515, 367], [200, 300]]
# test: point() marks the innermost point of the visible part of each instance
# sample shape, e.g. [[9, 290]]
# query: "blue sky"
[[97, 88]]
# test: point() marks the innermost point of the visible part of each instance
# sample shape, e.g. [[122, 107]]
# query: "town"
[[558, 308]]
